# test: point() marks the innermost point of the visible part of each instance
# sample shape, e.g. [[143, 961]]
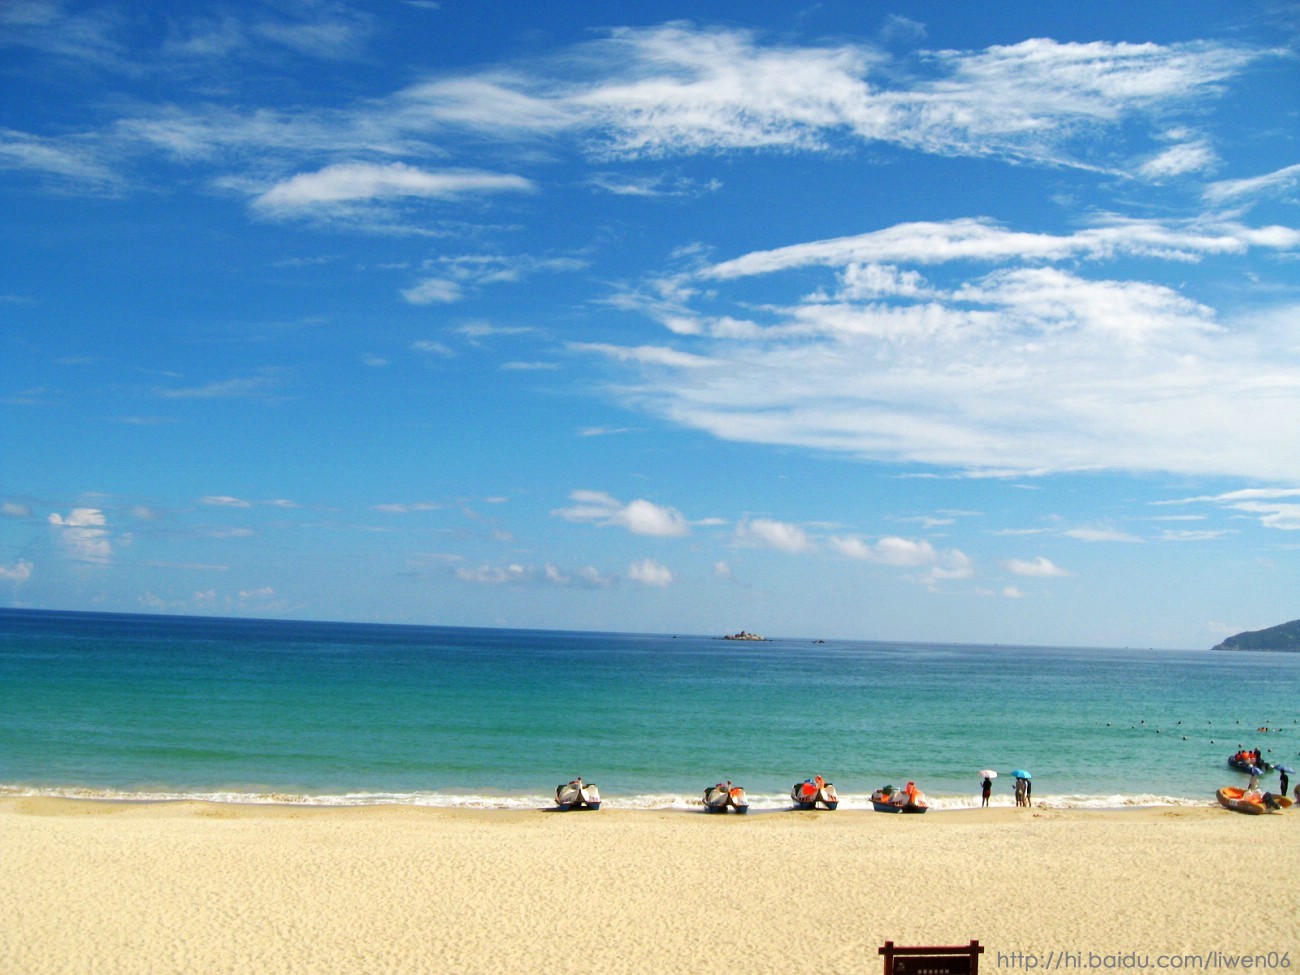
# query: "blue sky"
[[946, 322]]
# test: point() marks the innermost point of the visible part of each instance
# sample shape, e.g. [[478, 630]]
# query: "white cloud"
[[80, 518], [495, 575], [1277, 181], [1024, 367], [1273, 515], [981, 239], [84, 534], [225, 501], [645, 355], [475, 331], [1040, 568], [941, 566], [640, 517], [360, 182], [1204, 535], [645, 92], [648, 572], [401, 509], [433, 347], [1271, 506], [12, 509], [433, 291], [17, 573], [774, 534], [244, 387], [549, 575], [1100, 535], [1189, 157], [952, 565], [676, 89], [889, 551]]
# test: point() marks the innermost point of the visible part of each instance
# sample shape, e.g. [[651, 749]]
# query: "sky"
[[938, 322]]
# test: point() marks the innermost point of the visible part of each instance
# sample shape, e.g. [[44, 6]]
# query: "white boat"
[[809, 793], [723, 796], [577, 795]]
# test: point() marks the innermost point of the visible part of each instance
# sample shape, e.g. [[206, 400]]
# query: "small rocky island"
[[743, 635], [1284, 636]]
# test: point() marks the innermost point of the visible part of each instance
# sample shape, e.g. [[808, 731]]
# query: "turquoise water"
[[155, 706]]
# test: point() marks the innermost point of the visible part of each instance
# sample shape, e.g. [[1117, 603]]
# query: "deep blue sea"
[[252, 710]]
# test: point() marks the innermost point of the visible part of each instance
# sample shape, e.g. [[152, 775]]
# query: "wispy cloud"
[[1277, 181], [1273, 507], [458, 276], [1039, 568], [260, 386], [1021, 367], [670, 90], [1095, 534], [527, 575], [678, 89]]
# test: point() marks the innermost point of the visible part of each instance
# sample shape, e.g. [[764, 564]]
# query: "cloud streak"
[[367, 182], [965, 344]]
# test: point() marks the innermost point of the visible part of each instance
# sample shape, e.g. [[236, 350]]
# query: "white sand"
[[190, 887]]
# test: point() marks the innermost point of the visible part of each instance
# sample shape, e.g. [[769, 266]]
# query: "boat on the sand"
[[909, 799], [1252, 802], [811, 792], [577, 795], [723, 796]]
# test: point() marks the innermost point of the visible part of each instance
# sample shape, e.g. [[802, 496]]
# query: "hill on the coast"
[[1284, 636]]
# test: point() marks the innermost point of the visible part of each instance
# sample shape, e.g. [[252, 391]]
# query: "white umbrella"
[[987, 773]]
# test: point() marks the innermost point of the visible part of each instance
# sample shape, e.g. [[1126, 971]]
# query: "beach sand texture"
[[105, 888]]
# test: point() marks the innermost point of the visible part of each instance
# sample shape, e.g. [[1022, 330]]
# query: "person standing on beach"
[[987, 787], [1020, 792], [1029, 792], [1285, 781]]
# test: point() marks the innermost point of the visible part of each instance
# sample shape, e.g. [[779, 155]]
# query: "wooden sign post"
[[932, 959]]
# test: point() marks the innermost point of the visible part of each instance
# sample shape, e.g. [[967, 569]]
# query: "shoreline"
[[191, 887], [519, 802]]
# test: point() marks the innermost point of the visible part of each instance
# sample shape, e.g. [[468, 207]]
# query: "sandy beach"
[[194, 887]]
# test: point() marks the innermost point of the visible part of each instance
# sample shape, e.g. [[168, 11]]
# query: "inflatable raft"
[[1245, 765], [812, 792], [723, 796], [577, 795], [1253, 802]]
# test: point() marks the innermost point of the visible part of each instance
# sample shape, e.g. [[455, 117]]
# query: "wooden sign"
[[932, 959]]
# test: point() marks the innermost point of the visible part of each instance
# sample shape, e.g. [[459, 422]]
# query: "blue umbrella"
[[1021, 774], [1285, 768]]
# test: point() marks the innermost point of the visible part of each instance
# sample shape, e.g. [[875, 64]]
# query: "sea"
[[159, 708]]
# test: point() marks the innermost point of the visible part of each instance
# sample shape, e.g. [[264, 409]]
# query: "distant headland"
[[1284, 636], [743, 635]]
